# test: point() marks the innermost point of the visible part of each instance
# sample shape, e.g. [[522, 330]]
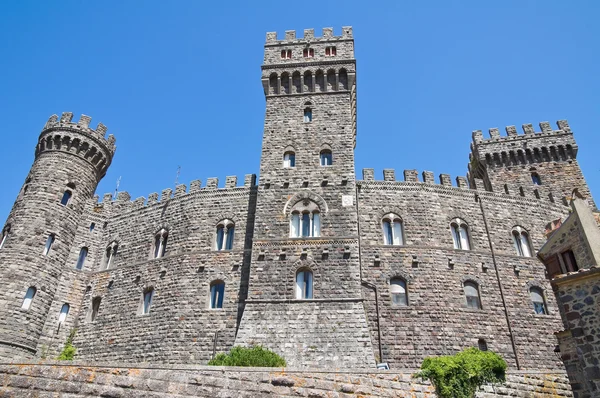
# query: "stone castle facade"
[[326, 269]]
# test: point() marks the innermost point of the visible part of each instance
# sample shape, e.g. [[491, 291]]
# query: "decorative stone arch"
[[471, 278], [458, 216], [224, 217], [396, 272], [305, 195], [389, 210], [538, 283]]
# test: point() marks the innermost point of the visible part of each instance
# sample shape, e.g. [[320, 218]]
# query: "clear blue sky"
[[178, 83]]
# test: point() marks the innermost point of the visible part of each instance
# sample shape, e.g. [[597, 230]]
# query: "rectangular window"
[[568, 259], [295, 226], [316, 227], [95, 308], [147, 301]]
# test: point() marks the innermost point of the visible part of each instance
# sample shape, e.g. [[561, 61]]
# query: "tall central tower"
[[304, 298]]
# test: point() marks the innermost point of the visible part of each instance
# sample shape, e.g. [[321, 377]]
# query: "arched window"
[[217, 291], [110, 254], [308, 82], [320, 81], [398, 292], [308, 53], [285, 83], [225, 230], [49, 243], [307, 115], [95, 308], [296, 82], [289, 159], [535, 178], [330, 51], [392, 230], [66, 198], [92, 226], [160, 243], [83, 252], [64, 311], [273, 86], [331, 80], [343, 79], [146, 301], [304, 284], [326, 157], [29, 295], [306, 224], [521, 242], [5, 233], [537, 299], [460, 234], [472, 295], [482, 345]]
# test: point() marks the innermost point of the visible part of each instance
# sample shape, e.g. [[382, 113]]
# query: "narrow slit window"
[[95, 308], [92, 226], [83, 252], [304, 285], [29, 295], [217, 291], [147, 301], [64, 311], [48, 245], [5, 233]]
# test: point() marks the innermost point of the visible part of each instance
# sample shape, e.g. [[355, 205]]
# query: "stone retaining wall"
[[80, 379]]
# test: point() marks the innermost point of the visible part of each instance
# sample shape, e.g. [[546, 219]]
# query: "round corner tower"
[[70, 160]]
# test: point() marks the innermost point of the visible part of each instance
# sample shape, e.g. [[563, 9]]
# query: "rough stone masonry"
[[328, 270]]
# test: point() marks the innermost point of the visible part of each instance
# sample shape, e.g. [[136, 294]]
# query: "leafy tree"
[[460, 375], [256, 356], [68, 351]]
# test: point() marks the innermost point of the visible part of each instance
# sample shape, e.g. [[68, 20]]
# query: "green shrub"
[[460, 375], [248, 356], [68, 351]]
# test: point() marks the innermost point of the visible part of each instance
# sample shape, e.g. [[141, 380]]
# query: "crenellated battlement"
[[531, 146], [461, 183], [83, 125], [309, 36], [123, 198], [78, 139]]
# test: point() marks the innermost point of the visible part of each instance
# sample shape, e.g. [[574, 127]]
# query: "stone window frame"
[[226, 237], [405, 294], [308, 291], [28, 298], [325, 149], [456, 225], [392, 218], [94, 310], [472, 281], [159, 243], [289, 150], [286, 54], [146, 300], [308, 112], [110, 254], [539, 286], [5, 234], [330, 51], [62, 319], [521, 233], [535, 177], [50, 241], [68, 194], [81, 261], [214, 295], [297, 219], [482, 345], [308, 52]]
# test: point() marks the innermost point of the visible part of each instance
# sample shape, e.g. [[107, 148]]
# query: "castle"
[[324, 268]]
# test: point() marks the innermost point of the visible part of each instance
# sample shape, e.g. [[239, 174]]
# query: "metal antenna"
[[117, 187], [177, 176]]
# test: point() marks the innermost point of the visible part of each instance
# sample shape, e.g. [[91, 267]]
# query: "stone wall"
[[81, 379]]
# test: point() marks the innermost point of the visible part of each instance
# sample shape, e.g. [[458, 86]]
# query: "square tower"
[[304, 298]]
